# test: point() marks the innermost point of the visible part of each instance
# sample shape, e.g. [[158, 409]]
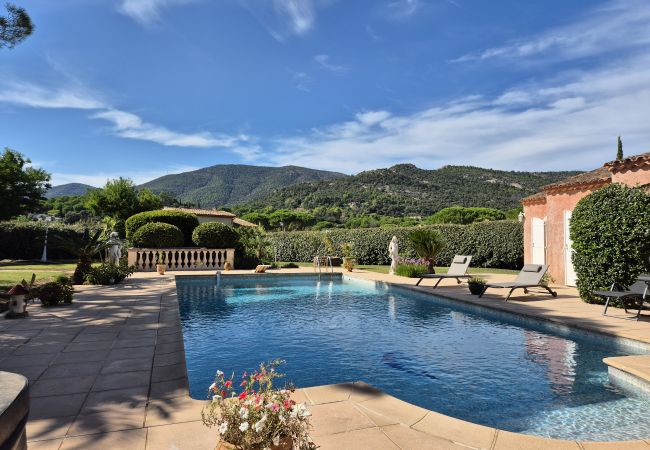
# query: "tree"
[[427, 244], [15, 27], [619, 152], [464, 216], [21, 187], [120, 200]]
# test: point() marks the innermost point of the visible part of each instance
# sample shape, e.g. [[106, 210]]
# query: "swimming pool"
[[471, 363]]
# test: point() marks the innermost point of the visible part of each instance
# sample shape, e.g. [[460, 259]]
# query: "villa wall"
[[638, 176]]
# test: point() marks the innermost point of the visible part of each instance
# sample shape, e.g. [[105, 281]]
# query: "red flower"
[[243, 395], [243, 383], [223, 394], [228, 383]]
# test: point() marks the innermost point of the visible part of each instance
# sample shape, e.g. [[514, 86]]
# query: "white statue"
[[393, 251], [114, 252]]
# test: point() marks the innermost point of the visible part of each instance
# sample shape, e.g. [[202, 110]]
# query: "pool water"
[[463, 361]]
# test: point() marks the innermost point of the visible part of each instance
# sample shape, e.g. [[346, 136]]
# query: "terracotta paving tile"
[[46, 429], [456, 430], [627, 445], [408, 438], [193, 435], [55, 406], [396, 409], [117, 399], [126, 365], [513, 441], [52, 444], [120, 440], [366, 439], [106, 421], [327, 394], [122, 380], [59, 386], [173, 410], [330, 418]]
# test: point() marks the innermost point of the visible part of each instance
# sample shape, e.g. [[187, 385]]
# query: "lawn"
[[11, 274]]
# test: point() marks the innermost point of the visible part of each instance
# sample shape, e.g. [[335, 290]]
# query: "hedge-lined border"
[[498, 244]]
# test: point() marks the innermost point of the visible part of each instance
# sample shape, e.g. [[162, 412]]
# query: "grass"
[[15, 272], [385, 269]]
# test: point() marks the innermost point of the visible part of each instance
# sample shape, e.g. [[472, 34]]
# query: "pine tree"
[[619, 153]]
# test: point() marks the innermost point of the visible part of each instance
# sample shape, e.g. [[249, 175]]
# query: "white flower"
[[219, 373], [259, 425], [243, 413], [213, 387], [223, 428], [243, 427], [216, 398]]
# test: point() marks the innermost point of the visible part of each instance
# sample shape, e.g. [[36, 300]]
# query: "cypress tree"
[[619, 153]]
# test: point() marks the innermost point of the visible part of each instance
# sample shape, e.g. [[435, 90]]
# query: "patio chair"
[[638, 291], [457, 270], [530, 276]]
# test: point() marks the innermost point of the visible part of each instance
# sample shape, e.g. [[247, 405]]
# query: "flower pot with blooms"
[[161, 265], [252, 415]]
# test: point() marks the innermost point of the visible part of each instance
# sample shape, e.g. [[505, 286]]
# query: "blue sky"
[[141, 88]]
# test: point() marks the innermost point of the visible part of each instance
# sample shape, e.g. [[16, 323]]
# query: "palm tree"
[[427, 244], [85, 248]]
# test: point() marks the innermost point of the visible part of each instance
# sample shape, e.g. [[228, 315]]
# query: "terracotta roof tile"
[[538, 197], [243, 223], [631, 162], [203, 212], [598, 176]]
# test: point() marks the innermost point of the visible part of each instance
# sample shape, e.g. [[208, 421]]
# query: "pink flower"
[[228, 383]]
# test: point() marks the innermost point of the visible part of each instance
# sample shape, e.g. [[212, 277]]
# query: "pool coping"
[[386, 409]]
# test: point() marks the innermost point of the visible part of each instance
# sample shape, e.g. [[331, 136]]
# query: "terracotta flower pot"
[[161, 268], [285, 444]]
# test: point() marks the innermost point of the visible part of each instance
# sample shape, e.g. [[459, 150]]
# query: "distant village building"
[[547, 214], [215, 215]]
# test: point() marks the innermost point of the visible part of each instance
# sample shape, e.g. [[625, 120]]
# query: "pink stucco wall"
[[552, 212], [635, 177]]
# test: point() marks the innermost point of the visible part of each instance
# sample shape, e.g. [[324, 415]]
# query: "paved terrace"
[[108, 372]]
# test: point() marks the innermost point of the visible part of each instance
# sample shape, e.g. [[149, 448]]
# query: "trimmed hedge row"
[[24, 240], [185, 221], [215, 235], [157, 235], [493, 244]]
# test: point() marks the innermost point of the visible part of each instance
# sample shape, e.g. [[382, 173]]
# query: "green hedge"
[[157, 235], [215, 235], [610, 229], [24, 240], [492, 244], [186, 222]]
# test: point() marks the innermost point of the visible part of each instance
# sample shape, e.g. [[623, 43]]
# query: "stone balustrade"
[[191, 258]]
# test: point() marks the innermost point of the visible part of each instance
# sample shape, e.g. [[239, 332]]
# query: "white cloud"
[[146, 12], [620, 25], [402, 9], [27, 94], [100, 179], [131, 126], [324, 62], [559, 125], [284, 18], [125, 124]]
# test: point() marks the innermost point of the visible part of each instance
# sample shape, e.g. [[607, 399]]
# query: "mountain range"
[[403, 189]]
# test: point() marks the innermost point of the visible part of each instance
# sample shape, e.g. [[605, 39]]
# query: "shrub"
[[184, 221], [215, 235], [464, 216], [476, 285], [54, 292], [157, 235], [24, 240], [289, 265], [610, 229], [492, 244], [106, 274], [410, 270], [427, 243]]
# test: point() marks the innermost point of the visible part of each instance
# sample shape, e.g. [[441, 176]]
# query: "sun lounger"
[[457, 270], [639, 291], [530, 276], [262, 268]]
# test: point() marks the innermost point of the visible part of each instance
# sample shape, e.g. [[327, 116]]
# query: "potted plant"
[[256, 416], [349, 261], [476, 285], [161, 266]]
